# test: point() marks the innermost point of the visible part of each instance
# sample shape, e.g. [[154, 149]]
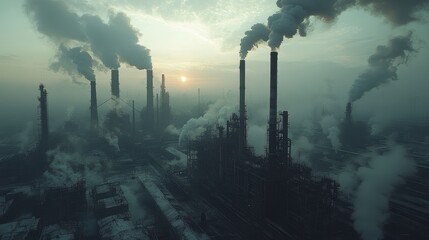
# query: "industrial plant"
[[140, 167]]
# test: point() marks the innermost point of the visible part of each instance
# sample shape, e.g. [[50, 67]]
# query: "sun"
[[183, 78]]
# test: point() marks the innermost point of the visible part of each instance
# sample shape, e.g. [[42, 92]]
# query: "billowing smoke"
[[54, 20], [69, 163], [294, 15], [171, 129], [330, 128], [382, 66], [26, 138], [113, 140], [116, 41], [398, 12], [218, 113], [74, 61], [302, 148], [370, 182], [258, 33], [257, 138], [112, 42]]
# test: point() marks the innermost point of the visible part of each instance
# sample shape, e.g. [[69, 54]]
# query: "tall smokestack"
[[115, 83], [93, 108], [349, 113], [44, 128], [272, 124], [285, 136], [149, 106], [157, 111], [242, 131]]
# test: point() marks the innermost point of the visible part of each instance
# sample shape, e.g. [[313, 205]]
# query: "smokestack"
[[44, 128], [149, 106], [285, 135], [115, 83], [93, 108], [272, 124], [157, 111], [242, 131], [349, 113]]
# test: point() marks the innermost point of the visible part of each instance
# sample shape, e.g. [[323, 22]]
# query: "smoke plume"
[[115, 41], [218, 113], [330, 127], [70, 163], [294, 15], [258, 33], [398, 12], [74, 60], [112, 42], [55, 20], [382, 66], [379, 179], [370, 182]]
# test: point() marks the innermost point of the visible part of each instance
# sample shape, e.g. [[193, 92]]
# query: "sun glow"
[[183, 79]]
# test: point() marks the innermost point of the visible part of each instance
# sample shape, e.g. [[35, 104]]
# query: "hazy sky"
[[200, 40]]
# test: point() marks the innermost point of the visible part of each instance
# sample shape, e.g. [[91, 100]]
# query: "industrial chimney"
[[115, 83], [242, 131], [272, 124], [285, 137], [349, 113], [149, 103], [44, 129], [93, 108]]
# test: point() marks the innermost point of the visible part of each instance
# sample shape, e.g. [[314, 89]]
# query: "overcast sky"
[[200, 40]]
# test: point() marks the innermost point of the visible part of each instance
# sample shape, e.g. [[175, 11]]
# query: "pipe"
[[272, 124], [242, 131], [93, 107], [115, 83], [149, 106], [285, 136], [349, 113], [44, 127]]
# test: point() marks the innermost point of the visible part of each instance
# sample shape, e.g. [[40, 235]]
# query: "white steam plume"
[[370, 183], [217, 114], [330, 127]]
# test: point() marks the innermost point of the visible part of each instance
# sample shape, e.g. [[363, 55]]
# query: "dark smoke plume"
[[54, 19], [74, 60], [112, 42], [294, 15], [398, 12], [382, 66], [258, 33], [116, 41]]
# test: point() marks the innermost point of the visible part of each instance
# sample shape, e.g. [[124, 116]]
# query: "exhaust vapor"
[[257, 34], [74, 61], [295, 17], [370, 182], [112, 42], [382, 66]]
